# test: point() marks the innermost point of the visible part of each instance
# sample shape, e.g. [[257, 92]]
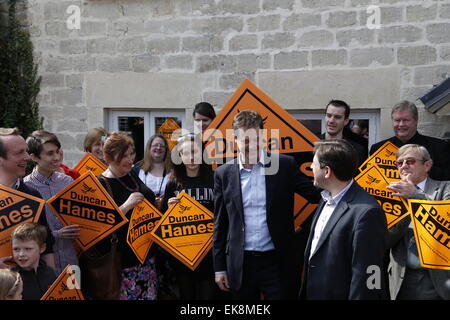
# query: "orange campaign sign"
[[85, 202], [90, 163], [66, 286], [384, 158], [143, 219], [302, 210], [374, 182], [186, 231], [15, 208], [171, 131], [284, 134], [431, 222]]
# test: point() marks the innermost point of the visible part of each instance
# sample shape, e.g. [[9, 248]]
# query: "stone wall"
[[301, 52]]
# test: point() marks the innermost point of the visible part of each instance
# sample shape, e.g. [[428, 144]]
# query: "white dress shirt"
[[330, 204]]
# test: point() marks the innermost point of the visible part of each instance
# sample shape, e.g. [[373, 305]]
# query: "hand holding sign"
[[133, 200], [69, 232], [172, 201], [404, 188]]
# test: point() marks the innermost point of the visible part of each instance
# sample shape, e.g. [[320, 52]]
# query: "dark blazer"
[[353, 239], [439, 151], [229, 228], [434, 190]]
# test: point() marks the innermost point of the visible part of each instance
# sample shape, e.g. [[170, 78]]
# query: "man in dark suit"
[[408, 280], [405, 117], [346, 246], [254, 227]]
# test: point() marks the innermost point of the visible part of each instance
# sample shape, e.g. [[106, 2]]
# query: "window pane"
[[134, 126]]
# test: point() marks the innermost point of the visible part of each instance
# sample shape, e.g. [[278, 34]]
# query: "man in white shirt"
[[408, 280], [347, 242]]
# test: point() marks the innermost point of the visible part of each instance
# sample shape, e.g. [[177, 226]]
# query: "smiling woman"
[[137, 281]]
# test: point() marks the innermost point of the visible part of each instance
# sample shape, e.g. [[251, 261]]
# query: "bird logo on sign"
[[87, 189], [371, 180], [183, 209], [389, 153]]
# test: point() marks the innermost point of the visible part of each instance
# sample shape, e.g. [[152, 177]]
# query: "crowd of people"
[[254, 253]]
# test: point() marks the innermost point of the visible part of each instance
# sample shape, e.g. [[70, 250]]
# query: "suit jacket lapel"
[[236, 182], [338, 212], [271, 183], [431, 188]]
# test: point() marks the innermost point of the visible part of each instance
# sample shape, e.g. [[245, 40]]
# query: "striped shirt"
[[63, 249]]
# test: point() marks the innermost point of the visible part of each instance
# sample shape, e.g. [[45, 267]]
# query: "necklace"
[[136, 185]]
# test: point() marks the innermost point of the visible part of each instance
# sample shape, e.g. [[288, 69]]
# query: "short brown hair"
[[4, 132], [93, 135], [339, 155], [116, 146], [406, 105], [38, 138], [30, 231], [248, 119]]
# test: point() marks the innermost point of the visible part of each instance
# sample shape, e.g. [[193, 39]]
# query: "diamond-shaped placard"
[[170, 130], [85, 202], [90, 163], [384, 158], [15, 208], [285, 134], [143, 219], [66, 286], [186, 231], [431, 221]]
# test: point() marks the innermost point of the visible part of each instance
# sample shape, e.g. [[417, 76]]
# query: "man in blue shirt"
[[254, 226]]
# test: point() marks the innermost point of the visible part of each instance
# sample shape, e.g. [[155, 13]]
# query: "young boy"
[[44, 148], [28, 243]]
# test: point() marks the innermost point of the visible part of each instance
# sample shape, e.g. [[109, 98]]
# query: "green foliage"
[[19, 80]]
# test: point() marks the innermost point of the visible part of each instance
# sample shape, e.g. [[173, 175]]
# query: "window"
[[141, 125]]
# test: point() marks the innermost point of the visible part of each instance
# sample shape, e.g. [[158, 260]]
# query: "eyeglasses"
[[158, 145], [409, 162]]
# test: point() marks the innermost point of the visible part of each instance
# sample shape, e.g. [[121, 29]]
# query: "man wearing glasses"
[[404, 117], [408, 280]]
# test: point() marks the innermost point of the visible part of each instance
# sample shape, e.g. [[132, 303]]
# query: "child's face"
[[27, 253]]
